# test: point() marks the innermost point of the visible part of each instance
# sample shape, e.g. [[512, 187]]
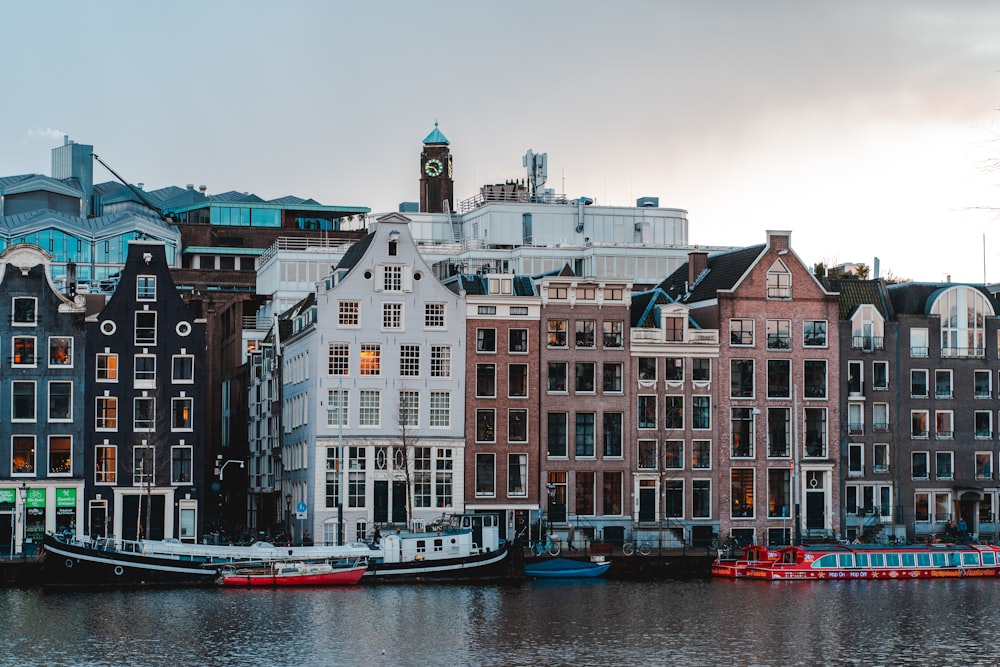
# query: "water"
[[535, 623]]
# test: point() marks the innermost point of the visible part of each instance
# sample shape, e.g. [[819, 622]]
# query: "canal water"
[[535, 623]]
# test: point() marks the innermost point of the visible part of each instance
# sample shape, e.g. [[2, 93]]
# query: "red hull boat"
[[295, 574]]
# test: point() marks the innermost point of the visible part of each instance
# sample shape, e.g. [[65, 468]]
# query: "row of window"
[[349, 311], [779, 378], [944, 465], [944, 424], [742, 433], [144, 413], [585, 334], [369, 412], [432, 477], [778, 333], [340, 361], [517, 341], [982, 384]]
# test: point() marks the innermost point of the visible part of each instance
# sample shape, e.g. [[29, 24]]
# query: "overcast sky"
[[865, 128]]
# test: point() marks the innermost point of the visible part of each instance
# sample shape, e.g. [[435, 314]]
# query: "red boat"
[[296, 573], [735, 568], [839, 562]]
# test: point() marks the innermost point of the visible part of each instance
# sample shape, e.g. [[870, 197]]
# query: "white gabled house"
[[373, 403]]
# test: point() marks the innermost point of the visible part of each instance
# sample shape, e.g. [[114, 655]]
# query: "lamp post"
[[288, 517], [23, 490]]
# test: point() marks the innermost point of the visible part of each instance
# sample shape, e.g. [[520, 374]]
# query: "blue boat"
[[564, 568]]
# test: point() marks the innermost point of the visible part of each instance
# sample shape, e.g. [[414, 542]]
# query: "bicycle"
[[631, 548], [550, 546], [731, 544]]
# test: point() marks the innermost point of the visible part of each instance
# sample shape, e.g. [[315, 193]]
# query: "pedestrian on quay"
[[570, 535]]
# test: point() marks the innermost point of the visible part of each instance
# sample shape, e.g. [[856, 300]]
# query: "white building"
[[372, 393]]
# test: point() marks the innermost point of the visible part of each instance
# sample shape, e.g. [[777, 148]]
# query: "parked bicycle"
[[731, 544], [549, 546], [630, 548]]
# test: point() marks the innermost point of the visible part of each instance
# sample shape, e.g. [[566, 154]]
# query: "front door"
[[399, 502], [381, 500], [647, 501], [815, 514]]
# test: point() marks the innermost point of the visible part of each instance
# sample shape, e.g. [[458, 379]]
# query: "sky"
[[868, 129]]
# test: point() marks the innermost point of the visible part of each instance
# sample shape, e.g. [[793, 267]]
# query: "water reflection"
[[593, 622]]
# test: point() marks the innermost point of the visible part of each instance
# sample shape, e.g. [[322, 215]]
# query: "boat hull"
[[865, 562], [580, 571], [490, 565], [342, 577], [72, 565]]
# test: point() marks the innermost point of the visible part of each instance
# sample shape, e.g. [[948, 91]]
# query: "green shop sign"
[[7, 496], [36, 498], [65, 497]]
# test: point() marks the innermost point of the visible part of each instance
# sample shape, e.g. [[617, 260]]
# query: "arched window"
[[963, 311]]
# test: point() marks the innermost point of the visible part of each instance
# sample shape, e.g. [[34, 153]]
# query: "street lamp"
[[23, 489], [288, 517]]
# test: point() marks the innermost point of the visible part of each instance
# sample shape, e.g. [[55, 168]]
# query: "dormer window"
[[779, 281], [963, 311]]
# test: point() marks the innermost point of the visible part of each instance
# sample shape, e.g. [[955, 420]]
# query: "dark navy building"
[[146, 403], [42, 379]]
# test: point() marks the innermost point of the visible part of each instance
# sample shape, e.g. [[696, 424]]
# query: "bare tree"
[[406, 416]]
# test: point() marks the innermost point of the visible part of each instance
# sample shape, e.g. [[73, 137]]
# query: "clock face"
[[433, 167]]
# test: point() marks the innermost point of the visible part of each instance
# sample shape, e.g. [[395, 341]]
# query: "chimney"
[[697, 262]]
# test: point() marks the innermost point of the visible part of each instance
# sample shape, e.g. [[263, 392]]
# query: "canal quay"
[[659, 565]]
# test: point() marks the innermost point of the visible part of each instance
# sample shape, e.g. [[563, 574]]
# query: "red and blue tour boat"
[[839, 562]]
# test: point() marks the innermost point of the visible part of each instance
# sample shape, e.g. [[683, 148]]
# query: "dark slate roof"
[[476, 284], [854, 292], [354, 253], [916, 298], [724, 269], [234, 196], [644, 313], [523, 286]]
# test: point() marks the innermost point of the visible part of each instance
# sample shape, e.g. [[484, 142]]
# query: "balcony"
[[868, 343], [963, 352]]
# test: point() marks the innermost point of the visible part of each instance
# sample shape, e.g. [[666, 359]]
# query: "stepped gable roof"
[[854, 293], [917, 298], [724, 269], [355, 253], [436, 137]]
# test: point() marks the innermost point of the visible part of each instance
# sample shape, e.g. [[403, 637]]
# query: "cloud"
[[48, 133]]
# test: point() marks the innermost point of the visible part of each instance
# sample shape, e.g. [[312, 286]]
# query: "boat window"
[[846, 560], [938, 559], [421, 546], [954, 559], [924, 560], [878, 560], [970, 558], [861, 560], [989, 558], [829, 560], [892, 560], [909, 560]]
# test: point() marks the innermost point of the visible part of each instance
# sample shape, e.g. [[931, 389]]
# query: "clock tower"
[[436, 184]]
